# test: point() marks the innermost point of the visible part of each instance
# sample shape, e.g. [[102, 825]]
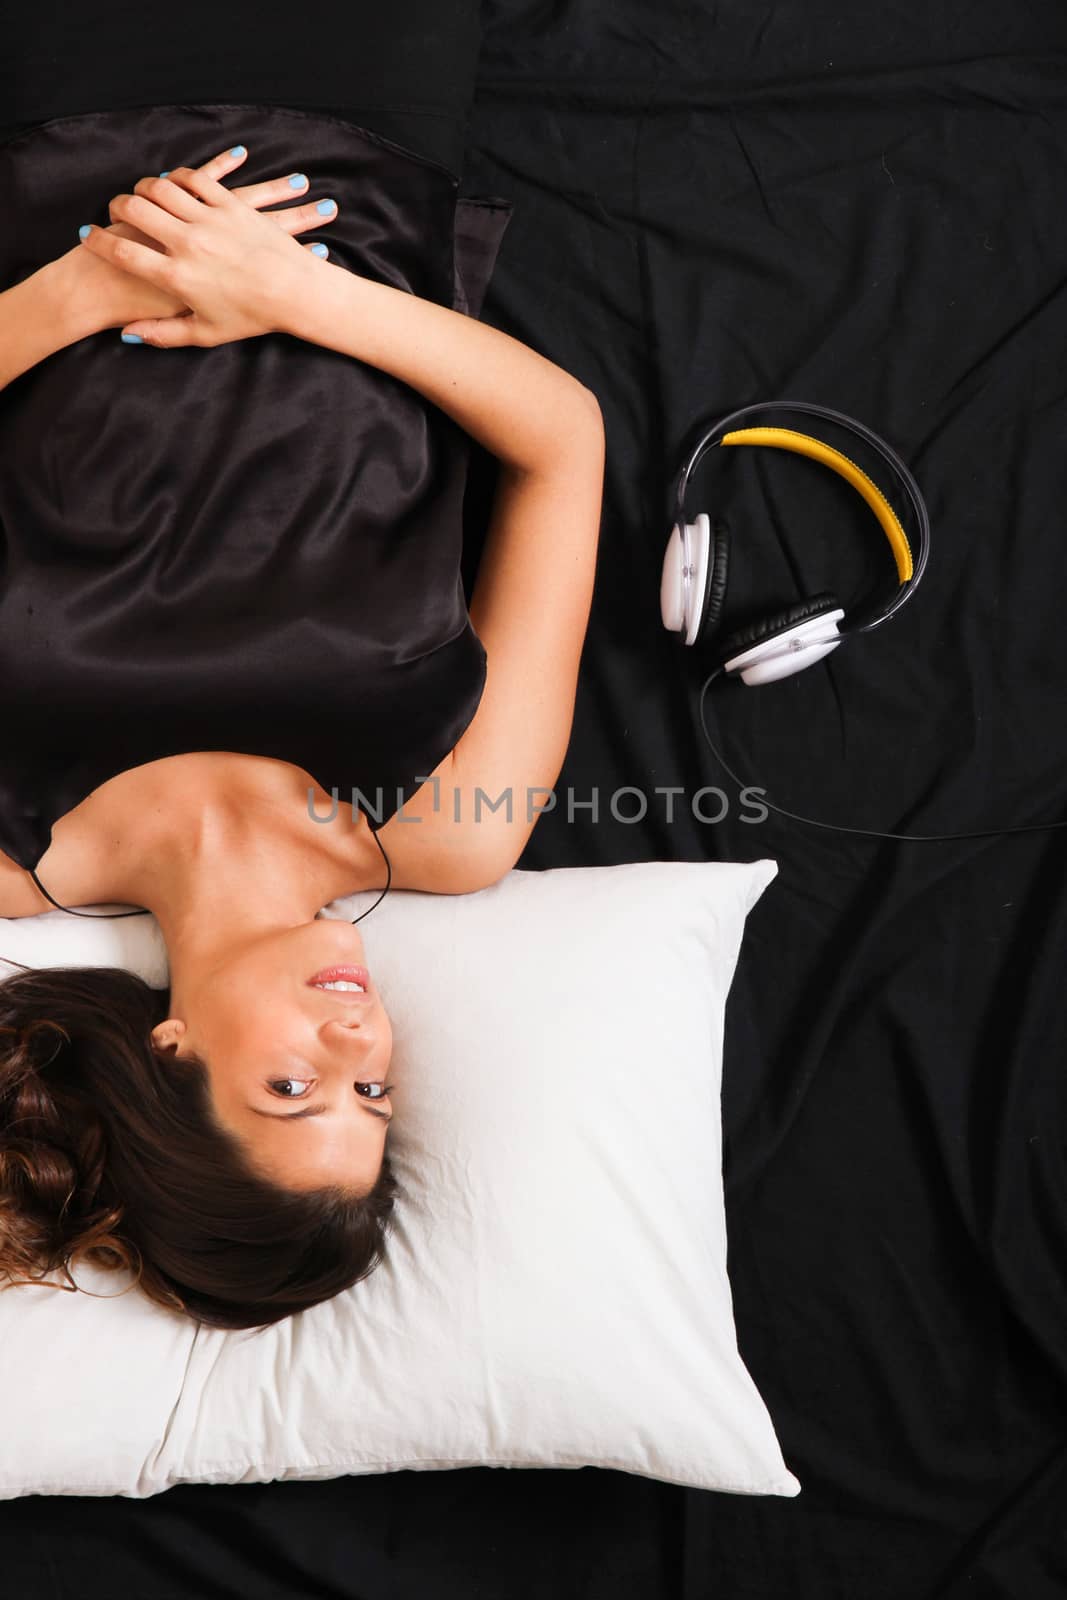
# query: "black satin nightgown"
[[252, 548]]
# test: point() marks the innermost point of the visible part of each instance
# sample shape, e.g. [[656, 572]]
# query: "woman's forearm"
[[42, 314], [510, 399], [513, 401]]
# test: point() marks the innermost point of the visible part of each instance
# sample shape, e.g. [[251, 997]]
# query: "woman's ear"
[[167, 1035]]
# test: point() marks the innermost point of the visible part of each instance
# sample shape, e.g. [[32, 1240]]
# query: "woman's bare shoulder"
[[19, 896], [86, 856]]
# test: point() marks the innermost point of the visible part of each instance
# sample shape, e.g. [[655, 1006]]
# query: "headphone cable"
[[864, 833]]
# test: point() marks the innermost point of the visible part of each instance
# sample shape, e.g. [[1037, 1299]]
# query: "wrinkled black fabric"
[[405, 70], [862, 207], [252, 548]]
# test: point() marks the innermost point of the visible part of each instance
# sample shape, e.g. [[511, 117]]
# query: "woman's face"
[[298, 1070]]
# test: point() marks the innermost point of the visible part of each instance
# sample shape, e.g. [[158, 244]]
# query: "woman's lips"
[[345, 974]]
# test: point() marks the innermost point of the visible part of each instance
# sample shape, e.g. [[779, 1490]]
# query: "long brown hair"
[[111, 1152]]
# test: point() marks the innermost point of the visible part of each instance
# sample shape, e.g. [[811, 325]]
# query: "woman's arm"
[[44, 313], [530, 608], [509, 398], [534, 587]]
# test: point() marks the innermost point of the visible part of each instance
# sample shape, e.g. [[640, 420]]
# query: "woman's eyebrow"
[[315, 1111]]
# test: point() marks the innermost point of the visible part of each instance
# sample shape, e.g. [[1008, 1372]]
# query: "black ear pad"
[[718, 573], [769, 627]]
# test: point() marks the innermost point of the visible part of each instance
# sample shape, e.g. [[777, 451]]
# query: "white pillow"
[[554, 1292]]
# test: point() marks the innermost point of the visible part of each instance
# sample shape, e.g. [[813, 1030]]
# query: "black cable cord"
[[865, 833], [388, 881]]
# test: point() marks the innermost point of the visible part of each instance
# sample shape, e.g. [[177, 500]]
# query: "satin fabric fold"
[[253, 548]]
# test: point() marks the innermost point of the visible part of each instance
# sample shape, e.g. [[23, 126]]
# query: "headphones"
[[695, 571], [696, 564]]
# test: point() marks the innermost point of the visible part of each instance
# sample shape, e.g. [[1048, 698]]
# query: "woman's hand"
[[116, 297], [202, 265]]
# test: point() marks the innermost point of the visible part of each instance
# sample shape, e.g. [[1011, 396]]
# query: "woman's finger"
[[153, 220], [294, 219], [298, 219], [273, 191], [217, 168], [162, 193], [170, 333], [180, 193], [203, 181], [266, 193], [130, 256]]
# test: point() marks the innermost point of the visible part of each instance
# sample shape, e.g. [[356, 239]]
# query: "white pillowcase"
[[554, 1292]]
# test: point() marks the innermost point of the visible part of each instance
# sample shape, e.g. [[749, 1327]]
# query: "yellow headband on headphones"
[[788, 439]]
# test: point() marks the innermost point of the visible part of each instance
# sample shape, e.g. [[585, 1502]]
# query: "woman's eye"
[[283, 1086], [383, 1090]]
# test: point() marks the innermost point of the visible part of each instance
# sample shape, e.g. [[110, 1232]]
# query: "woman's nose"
[[349, 1026]]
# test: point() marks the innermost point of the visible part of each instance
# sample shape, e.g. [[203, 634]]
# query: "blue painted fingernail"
[[132, 338], [324, 207], [238, 150], [319, 250], [297, 181], [165, 174], [85, 228]]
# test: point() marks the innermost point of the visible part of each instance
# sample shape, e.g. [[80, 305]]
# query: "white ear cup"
[[684, 581], [790, 651]]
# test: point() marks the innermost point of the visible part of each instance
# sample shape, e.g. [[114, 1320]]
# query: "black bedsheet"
[[719, 203]]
